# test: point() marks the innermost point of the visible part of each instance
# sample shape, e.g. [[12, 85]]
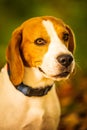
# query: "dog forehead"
[[53, 31], [55, 27], [34, 29], [37, 23], [50, 29]]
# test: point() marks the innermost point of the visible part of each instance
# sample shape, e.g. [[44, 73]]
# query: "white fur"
[[50, 64], [36, 79], [23, 113]]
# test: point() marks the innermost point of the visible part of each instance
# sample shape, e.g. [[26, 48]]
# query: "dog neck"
[[34, 78]]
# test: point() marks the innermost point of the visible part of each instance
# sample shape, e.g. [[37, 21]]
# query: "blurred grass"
[[2, 56]]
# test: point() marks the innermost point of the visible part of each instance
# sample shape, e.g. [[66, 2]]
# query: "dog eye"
[[65, 37], [40, 41]]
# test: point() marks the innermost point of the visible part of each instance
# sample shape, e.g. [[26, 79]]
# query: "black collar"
[[29, 91]]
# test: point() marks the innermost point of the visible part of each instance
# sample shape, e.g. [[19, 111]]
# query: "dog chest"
[[41, 115], [27, 113]]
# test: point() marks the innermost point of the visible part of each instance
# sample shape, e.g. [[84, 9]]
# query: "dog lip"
[[41, 70], [63, 74]]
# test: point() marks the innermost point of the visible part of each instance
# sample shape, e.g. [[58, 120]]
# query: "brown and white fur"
[[33, 58]]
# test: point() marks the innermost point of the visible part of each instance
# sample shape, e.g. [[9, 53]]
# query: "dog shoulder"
[[4, 78]]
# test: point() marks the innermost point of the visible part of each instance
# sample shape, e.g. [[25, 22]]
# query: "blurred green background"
[[73, 94], [73, 12]]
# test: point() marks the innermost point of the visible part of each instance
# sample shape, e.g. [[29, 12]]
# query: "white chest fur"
[[23, 113]]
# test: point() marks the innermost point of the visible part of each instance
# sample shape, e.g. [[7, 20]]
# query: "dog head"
[[46, 43]]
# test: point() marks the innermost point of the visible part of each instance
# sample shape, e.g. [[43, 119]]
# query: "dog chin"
[[56, 77], [61, 76]]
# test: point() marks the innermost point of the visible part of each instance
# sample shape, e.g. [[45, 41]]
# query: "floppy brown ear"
[[71, 45], [14, 59]]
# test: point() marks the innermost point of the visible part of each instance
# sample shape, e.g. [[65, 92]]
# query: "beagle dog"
[[40, 52]]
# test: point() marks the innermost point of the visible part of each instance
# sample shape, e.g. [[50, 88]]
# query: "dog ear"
[[14, 58], [71, 45]]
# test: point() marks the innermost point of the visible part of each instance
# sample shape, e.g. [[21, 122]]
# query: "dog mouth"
[[60, 75], [41, 70]]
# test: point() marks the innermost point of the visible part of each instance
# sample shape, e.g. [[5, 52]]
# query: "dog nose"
[[65, 59]]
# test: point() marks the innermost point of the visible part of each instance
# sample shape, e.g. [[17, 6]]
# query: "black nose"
[[65, 59]]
